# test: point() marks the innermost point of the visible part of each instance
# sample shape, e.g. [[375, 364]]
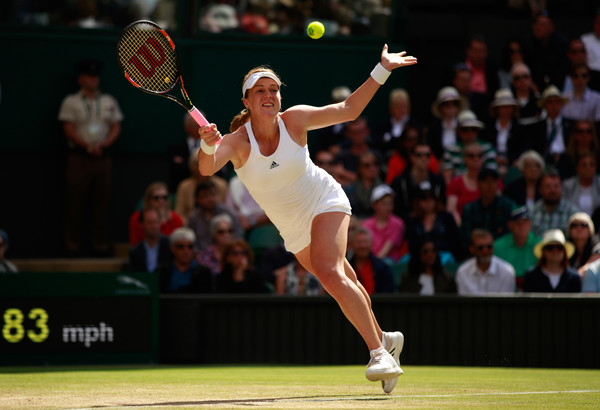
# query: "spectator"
[[504, 131], [326, 160], [400, 160], [484, 272], [179, 153], [468, 131], [429, 218], [185, 196], [516, 247], [238, 274], [387, 230], [584, 187], [406, 184], [368, 177], [591, 41], [513, 54], [373, 273], [221, 234], [184, 275], [526, 93], [91, 122], [425, 274], [583, 103], [461, 81], [441, 133], [391, 130], [580, 232], [463, 188], [357, 136], [577, 56], [207, 207], [582, 140], [6, 266], [294, 279], [490, 212], [591, 272], [275, 262], [553, 273], [156, 197], [545, 52], [153, 251], [330, 138], [524, 189], [239, 200], [552, 210]]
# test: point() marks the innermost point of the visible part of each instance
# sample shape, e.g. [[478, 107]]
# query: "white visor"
[[251, 81]]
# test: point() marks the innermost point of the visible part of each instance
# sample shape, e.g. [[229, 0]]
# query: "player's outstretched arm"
[[211, 159]]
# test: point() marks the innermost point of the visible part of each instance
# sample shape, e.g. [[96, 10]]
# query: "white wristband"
[[208, 149], [380, 74]]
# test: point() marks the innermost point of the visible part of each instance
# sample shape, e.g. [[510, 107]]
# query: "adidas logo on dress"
[[273, 165]]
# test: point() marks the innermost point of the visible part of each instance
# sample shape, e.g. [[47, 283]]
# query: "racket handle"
[[198, 117]]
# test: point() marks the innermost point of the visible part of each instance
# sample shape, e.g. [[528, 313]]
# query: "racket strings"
[[148, 58]]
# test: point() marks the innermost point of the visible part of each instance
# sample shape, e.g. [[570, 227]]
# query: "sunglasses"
[[579, 225], [422, 154], [583, 130], [584, 76], [521, 77], [184, 246], [474, 155], [426, 251], [487, 246], [554, 247], [222, 231], [163, 197]]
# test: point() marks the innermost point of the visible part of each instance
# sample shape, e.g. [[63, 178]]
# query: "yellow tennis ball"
[[315, 30]]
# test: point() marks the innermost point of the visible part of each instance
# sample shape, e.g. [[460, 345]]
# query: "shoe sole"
[[384, 376], [387, 388]]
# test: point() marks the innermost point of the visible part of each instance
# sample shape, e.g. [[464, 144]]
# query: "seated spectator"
[[387, 230], [429, 218], [580, 232], [582, 140], [238, 274], [484, 272], [275, 261], [368, 177], [553, 273], [154, 251], [294, 279], [184, 274], [330, 138], [441, 132], [326, 160], [464, 188], [490, 212], [388, 133], [248, 211], [185, 197], [373, 273], [576, 54], [221, 233], [403, 148], [512, 54], [207, 207], [156, 197], [524, 189], [406, 184], [584, 103], [357, 137], [552, 210], [425, 274], [6, 266], [584, 187], [526, 93], [504, 131], [516, 247], [468, 132]]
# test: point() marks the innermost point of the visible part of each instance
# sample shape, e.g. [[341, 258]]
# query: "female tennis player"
[[268, 149]]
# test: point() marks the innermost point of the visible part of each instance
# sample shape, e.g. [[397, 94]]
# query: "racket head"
[[146, 56]]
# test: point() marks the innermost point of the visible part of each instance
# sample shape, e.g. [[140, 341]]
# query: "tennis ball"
[[315, 30]]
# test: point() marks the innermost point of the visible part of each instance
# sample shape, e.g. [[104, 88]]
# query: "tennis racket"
[[147, 58]]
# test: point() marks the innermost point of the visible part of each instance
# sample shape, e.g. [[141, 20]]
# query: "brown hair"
[[244, 115], [237, 243]]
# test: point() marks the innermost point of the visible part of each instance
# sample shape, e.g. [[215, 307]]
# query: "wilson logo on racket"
[[150, 57]]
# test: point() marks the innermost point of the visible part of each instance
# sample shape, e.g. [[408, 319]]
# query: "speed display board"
[[55, 318]]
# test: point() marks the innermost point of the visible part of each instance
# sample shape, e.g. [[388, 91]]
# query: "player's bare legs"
[[325, 258]]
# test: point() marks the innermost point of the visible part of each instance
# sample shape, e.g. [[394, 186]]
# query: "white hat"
[[380, 191], [554, 236], [339, 94], [583, 217], [467, 118], [444, 95], [551, 92], [504, 97]]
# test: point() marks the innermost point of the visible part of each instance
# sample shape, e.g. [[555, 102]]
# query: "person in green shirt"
[[517, 246]]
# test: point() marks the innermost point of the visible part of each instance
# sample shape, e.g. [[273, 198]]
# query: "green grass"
[[294, 387]]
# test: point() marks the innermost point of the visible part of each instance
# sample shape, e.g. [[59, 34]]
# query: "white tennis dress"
[[290, 188]]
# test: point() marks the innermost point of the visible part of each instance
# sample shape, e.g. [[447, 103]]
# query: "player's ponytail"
[[239, 120]]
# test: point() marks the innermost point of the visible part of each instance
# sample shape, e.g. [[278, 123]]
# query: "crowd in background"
[[496, 191]]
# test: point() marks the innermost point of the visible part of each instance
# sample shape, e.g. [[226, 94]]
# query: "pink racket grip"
[[199, 118]]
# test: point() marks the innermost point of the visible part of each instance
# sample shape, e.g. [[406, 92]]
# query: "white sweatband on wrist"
[[208, 149], [380, 74]]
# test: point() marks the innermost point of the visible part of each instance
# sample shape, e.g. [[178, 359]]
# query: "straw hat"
[[549, 93], [554, 236], [582, 217], [444, 95], [467, 118], [503, 97]]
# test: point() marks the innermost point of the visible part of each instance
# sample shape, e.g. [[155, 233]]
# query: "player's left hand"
[[394, 60]]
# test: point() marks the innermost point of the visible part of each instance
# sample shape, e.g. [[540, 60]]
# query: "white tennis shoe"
[[382, 366], [393, 343]]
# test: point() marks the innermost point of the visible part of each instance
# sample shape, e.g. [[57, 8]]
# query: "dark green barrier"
[[77, 318]]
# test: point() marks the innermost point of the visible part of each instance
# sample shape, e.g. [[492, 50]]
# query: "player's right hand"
[[210, 134]]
